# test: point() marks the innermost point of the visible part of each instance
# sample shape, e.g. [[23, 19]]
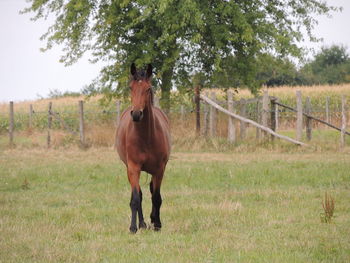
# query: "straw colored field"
[[73, 206], [286, 93], [100, 120], [318, 96], [42, 104], [289, 91]]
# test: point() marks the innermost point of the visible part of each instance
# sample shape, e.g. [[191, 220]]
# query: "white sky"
[[25, 72]]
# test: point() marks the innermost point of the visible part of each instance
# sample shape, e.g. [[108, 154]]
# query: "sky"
[[26, 73]]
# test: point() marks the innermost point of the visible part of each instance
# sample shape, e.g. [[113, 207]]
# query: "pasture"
[[71, 205]]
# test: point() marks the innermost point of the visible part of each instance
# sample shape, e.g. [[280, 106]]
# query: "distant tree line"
[[331, 65], [55, 94]]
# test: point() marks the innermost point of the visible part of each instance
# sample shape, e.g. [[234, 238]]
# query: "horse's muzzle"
[[136, 115]]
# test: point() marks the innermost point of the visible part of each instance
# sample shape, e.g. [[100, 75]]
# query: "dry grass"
[[42, 104], [101, 135], [311, 90], [283, 91]]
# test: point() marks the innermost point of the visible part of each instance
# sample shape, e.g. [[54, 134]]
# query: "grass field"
[[71, 205]]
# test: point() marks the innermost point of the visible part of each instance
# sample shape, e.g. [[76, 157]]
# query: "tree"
[[330, 66], [274, 71], [331, 56], [178, 37]]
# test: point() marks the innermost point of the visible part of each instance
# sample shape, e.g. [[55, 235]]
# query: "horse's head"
[[141, 91]]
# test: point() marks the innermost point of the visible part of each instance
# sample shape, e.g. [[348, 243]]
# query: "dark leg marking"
[[156, 204], [153, 212], [134, 205], [142, 223]]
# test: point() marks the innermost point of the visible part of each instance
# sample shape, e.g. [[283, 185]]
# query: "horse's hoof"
[[157, 227], [133, 230], [142, 225]]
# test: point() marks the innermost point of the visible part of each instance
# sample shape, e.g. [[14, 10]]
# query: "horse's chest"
[[146, 152], [153, 162], [148, 160]]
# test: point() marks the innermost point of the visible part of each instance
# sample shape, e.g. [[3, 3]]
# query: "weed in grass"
[[328, 207], [25, 184]]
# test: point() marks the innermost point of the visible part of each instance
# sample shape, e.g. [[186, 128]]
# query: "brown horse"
[[143, 144]]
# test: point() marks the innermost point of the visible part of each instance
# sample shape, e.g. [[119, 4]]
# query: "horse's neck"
[[146, 126]]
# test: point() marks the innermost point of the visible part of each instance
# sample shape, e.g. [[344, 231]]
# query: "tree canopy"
[[179, 37], [331, 65]]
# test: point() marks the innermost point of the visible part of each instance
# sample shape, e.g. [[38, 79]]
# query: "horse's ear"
[[133, 70], [149, 71]]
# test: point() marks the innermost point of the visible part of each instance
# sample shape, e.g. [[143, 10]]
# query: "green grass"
[[73, 206]]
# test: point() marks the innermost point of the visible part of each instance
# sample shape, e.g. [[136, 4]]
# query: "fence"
[[265, 113], [268, 116], [72, 121]]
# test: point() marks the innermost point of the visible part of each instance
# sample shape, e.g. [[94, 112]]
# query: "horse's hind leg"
[[156, 200]]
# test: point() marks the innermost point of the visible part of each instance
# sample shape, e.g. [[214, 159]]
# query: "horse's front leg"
[[136, 197], [142, 223]]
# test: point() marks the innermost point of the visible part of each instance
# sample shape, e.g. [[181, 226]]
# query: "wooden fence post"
[[258, 119], [206, 116], [49, 125], [212, 120], [118, 112], [308, 120], [273, 106], [276, 115], [81, 123], [197, 101], [231, 132], [265, 111], [327, 110], [243, 111], [343, 122], [11, 124], [182, 112], [30, 122], [299, 124]]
